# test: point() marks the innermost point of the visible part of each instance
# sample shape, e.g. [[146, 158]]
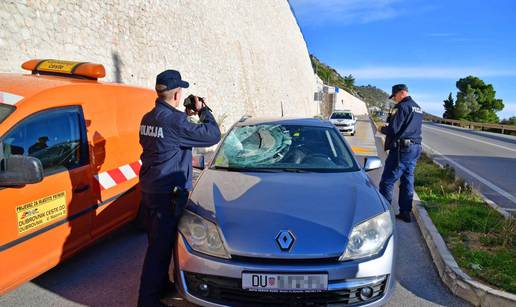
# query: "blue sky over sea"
[[428, 45]]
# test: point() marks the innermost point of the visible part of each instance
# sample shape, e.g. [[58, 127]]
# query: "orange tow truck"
[[69, 163]]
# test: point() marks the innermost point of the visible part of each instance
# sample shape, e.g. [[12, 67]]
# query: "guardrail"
[[469, 124]]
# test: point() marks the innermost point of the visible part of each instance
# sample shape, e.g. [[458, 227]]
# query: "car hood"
[[251, 209]]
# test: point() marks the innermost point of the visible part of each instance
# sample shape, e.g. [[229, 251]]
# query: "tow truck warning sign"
[[40, 212]]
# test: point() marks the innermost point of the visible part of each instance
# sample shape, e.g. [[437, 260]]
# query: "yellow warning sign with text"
[[40, 212], [65, 67]]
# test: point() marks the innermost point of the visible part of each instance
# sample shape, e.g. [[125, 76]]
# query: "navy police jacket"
[[167, 138], [404, 122]]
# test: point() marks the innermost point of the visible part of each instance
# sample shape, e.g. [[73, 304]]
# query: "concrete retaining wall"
[[246, 57]]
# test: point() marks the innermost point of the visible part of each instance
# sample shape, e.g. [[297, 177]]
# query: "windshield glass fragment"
[[286, 147]]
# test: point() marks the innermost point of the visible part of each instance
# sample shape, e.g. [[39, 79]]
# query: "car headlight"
[[368, 238], [202, 235]]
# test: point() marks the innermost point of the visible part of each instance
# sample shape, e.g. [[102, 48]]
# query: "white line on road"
[[478, 177], [472, 139]]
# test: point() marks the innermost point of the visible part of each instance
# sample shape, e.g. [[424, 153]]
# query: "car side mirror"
[[20, 170], [372, 163], [198, 162]]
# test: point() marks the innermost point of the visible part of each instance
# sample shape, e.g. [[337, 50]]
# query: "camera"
[[189, 102]]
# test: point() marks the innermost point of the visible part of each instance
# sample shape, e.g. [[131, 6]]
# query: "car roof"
[[28, 85], [314, 122], [342, 111]]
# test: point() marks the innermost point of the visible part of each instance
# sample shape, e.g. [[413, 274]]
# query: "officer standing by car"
[[403, 141], [167, 138]]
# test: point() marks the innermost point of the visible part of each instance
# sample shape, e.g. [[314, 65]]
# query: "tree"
[[477, 100], [349, 81], [449, 107], [461, 110], [509, 121]]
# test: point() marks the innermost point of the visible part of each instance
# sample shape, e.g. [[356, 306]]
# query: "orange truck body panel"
[[99, 196]]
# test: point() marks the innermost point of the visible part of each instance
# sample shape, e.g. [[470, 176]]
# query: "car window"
[[286, 147], [52, 136], [342, 115], [5, 111]]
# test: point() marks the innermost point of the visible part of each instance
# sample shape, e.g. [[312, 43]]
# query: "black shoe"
[[404, 216], [170, 290]]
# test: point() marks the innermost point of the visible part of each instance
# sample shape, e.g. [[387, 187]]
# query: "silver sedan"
[[285, 215]]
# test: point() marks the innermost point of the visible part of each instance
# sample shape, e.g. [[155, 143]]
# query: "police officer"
[[403, 140], [167, 138]]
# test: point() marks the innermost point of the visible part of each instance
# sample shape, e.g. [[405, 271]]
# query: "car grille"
[[228, 291], [280, 261]]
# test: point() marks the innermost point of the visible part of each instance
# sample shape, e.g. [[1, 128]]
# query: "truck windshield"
[[276, 147], [5, 110]]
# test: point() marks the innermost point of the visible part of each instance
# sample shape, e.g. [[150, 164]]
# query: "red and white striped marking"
[[119, 175], [9, 98]]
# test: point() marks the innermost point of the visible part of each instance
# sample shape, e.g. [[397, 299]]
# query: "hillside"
[[373, 96], [331, 77]]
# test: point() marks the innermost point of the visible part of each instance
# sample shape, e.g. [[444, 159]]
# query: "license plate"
[[284, 282]]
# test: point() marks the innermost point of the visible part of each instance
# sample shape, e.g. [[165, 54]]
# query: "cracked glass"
[[285, 147]]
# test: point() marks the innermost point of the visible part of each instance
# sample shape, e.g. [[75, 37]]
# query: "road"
[[107, 274], [485, 160]]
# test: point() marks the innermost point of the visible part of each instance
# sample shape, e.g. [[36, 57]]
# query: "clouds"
[[316, 12], [423, 72]]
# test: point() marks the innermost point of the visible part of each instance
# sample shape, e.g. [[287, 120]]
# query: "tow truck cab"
[[69, 163]]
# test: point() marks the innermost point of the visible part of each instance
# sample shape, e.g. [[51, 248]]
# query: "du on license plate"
[[284, 282]]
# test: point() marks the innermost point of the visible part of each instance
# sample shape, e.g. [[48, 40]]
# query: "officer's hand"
[[190, 112], [199, 103]]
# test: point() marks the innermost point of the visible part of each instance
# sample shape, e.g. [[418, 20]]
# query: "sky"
[[427, 45]]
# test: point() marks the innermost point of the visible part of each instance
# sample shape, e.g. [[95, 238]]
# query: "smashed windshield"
[[341, 115], [284, 147], [5, 110]]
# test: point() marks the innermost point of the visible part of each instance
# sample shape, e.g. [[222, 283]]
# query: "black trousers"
[[162, 213]]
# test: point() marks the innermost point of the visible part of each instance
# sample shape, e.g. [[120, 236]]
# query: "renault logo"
[[285, 240]]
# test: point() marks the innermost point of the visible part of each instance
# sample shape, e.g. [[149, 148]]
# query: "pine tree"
[[479, 98], [449, 107]]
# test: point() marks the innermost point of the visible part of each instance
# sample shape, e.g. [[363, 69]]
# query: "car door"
[[44, 222]]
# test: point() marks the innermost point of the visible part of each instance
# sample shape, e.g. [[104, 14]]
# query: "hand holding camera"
[[193, 104]]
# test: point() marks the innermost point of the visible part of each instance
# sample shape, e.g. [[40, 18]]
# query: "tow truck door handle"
[[82, 188]]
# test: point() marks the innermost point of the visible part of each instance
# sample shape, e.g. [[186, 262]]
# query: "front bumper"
[[346, 129], [223, 277]]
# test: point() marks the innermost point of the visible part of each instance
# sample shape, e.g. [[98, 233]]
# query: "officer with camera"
[[167, 138], [403, 141]]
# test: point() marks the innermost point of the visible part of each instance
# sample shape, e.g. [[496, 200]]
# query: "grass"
[[481, 240], [377, 120]]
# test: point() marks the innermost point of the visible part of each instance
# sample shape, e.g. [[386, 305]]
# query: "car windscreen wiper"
[[315, 170], [295, 170]]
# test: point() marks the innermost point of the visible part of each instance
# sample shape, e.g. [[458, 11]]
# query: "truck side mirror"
[[19, 170], [372, 163]]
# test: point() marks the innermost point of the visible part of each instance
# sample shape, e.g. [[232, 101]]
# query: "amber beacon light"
[[67, 68]]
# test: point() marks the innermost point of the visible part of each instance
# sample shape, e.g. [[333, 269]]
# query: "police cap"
[[398, 87], [171, 79]]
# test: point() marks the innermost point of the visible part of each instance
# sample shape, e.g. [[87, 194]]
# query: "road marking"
[[357, 149], [472, 139], [476, 176]]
